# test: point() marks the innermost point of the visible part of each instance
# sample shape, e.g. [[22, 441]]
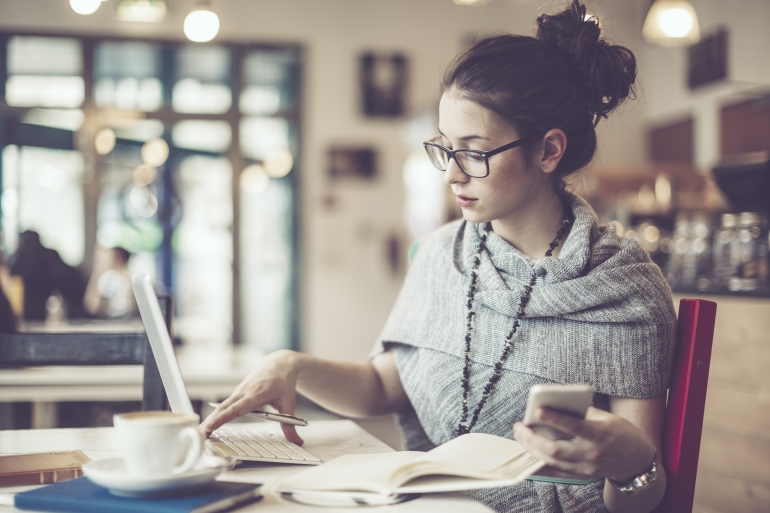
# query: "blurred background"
[[263, 162]]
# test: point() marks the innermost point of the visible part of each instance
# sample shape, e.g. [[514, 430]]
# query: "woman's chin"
[[474, 217]]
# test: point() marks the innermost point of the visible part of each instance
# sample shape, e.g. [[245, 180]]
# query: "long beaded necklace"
[[463, 427]]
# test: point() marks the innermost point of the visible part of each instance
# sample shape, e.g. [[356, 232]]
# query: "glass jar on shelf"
[[752, 252], [698, 260], [676, 273], [725, 252]]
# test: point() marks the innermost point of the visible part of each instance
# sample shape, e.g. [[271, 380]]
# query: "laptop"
[[236, 440]]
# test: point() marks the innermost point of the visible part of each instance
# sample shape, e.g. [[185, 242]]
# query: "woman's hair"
[[565, 77]]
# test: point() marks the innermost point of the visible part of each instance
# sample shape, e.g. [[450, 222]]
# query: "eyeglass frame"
[[484, 154]]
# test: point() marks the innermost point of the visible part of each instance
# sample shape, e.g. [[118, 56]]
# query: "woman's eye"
[[475, 157]]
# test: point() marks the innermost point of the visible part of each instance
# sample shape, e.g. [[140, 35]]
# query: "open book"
[[467, 462]]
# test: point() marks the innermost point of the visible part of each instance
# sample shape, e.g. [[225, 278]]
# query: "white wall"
[[347, 288], [668, 97]]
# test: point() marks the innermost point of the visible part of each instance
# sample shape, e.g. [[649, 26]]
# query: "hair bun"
[[607, 72]]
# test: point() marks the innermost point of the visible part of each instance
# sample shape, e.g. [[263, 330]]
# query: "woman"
[[526, 289]]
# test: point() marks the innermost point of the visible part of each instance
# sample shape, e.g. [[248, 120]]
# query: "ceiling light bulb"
[[589, 16], [671, 23], [675, 22], [142, 11], [85, 7], [201, 25]]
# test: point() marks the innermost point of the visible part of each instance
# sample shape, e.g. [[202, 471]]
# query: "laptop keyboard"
[[263, 446]]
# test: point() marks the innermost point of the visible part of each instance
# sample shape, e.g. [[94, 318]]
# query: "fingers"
[[574, 426], [229, 410], [211, 423], [571, 457], [553, 449], [290, 432], [286, 405]]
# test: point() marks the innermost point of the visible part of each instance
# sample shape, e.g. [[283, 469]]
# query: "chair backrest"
[[686, 403], [36, 349]]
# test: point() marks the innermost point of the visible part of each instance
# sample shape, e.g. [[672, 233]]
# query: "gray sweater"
[[600, 313]]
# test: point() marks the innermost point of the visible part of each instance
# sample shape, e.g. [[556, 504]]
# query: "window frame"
[[166, 114]]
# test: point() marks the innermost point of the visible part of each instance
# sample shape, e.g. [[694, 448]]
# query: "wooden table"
[[325, 439]]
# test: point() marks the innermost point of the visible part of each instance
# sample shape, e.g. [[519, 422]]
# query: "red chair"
[[686, 402]]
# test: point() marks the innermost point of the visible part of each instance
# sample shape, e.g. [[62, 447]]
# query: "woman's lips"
[[465, 201]]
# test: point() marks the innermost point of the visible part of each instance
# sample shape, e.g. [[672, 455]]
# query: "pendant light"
[[85, 7], [671, 23], [202, 24], [142, 11]]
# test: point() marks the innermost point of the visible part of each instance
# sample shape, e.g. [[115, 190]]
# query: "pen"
[[275, 417]]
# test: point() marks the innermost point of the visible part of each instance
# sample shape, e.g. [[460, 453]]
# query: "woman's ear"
[[554, 146]]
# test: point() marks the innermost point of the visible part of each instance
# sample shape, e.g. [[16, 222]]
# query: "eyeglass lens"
[[470, 163]]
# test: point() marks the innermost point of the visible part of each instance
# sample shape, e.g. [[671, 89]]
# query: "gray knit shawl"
[[601, 313]]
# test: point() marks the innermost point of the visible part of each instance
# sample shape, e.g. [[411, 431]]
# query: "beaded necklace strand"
[[463, 427]]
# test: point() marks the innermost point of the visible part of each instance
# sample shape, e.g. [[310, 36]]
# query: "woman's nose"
[[454, 174]]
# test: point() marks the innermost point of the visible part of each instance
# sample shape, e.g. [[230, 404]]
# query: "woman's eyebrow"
[[467, 137]]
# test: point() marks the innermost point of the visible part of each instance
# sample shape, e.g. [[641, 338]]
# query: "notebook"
[[83, 496], [471, 461]]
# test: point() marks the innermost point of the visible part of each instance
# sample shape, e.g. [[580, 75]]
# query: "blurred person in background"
[[109, 294], [44, 275], [7, 317], [8, 321], [526, 289]]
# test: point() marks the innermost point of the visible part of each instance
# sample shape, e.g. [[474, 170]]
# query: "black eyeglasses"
[[474, 163]]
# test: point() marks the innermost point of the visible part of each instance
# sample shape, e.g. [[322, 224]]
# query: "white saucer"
[[113, 475]]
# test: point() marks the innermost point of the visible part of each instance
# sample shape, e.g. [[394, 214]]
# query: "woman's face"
[[512, 187]]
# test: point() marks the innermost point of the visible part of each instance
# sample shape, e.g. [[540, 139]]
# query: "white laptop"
[[243, 443]]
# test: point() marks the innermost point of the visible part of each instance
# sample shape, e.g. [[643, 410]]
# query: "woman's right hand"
[[273, 382]]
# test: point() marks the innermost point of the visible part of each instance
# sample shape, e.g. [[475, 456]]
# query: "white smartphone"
[[571, 399]]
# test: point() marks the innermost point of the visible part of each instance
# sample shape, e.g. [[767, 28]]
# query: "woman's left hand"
[[604, 445]]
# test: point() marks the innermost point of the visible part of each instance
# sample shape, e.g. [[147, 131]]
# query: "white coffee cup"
[[159, 443]]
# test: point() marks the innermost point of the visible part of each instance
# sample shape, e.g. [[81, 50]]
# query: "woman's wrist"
[[292, 363], [641, 464]]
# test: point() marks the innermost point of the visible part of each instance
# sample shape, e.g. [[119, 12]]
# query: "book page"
[[351, 472], [468, 462], [525, 466], [476, 455]]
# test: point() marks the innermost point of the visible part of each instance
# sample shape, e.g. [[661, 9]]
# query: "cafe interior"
[[262, 161]]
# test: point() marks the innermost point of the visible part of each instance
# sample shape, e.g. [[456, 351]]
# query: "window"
[[175, 217], [127, 75], [203, 80], [42, 191], [269, 79], [45, 72], [268, 137]]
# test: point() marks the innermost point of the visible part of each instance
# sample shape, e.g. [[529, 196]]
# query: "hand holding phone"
[[571, 399]]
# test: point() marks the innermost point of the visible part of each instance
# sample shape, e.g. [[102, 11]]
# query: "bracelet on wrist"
[[641, 481]]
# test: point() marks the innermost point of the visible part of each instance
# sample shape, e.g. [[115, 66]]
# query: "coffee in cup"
[[159, 443]]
